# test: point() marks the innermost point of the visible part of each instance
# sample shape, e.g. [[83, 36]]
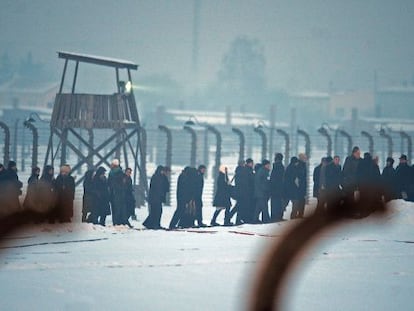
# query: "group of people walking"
[[54, 197], [104, 196], [10, 188], [254, 185], [362, 179], [190, 186], [251, 188], [45, 193]]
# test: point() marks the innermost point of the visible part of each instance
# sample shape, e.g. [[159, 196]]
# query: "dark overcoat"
[[222, 197]]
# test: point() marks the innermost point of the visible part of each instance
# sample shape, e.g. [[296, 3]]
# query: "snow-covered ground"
[[365, 265]]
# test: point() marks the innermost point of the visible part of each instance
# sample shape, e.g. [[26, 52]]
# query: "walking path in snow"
[[364, 265]]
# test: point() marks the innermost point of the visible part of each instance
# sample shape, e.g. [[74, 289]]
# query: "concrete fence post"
[[35, 142], [6, 154]]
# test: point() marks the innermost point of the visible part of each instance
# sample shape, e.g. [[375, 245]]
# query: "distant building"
[[395, 102], [42, 96], [342, 104], [310, 106]]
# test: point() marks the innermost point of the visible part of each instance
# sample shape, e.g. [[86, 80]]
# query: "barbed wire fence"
[[27, 144]]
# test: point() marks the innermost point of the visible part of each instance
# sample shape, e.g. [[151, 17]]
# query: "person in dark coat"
[[65, 194], [2, 171], [31, 188], [350, 176], [240, 194], [189, 214], [262, 193], [320, 187], [316, 176], [369, 180], [250, 186], [236, 192], [289, 181], [403, 176], [130, 197], [88, 193], [101, 199], [156, 196], [295, 186], [10, 190], [302, 179], [378, 186], [45, 200], [117, 183], [166, 175], [182, 197], [34, 177], [278, 201], [334, 182], [257, 167], [389, 181], [365, 174], [222, 197], [199, 186]]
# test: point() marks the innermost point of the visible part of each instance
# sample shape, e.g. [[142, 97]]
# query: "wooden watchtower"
[[111, 122]]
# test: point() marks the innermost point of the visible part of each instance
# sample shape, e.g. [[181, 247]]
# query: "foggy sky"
[[307, 44]]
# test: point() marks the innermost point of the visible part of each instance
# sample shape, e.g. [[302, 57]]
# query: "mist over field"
[[187, 50]]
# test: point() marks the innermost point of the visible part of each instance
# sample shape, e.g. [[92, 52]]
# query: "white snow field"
[[365, 265]]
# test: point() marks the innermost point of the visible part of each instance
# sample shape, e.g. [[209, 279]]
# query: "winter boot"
[[213, 220]]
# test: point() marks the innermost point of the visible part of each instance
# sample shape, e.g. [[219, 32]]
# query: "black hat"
[[48, 168], [278, 157], [11, 164], [159, 169], [403, 157], [101, 170], [329, 159], [367, 155], [265, 162], [390, 160]]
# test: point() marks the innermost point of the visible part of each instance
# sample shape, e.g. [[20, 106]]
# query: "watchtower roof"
[[98, 60], [75, 110]]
